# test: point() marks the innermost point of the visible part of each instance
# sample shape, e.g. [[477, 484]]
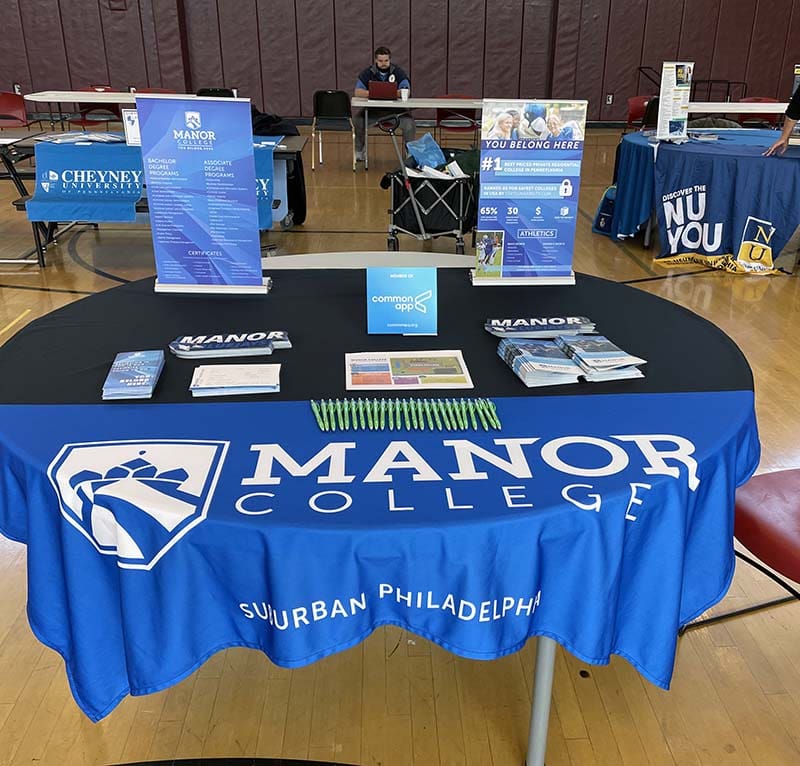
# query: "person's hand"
[[779, 147]]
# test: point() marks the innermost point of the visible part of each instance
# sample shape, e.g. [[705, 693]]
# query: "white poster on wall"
[[673, 101]]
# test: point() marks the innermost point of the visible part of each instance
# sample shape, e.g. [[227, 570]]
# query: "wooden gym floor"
[[396, 699]]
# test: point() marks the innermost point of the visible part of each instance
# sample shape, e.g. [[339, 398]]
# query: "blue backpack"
[[604, 218]]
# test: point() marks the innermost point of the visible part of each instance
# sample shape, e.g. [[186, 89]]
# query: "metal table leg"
[[542, 693], [648, 232]]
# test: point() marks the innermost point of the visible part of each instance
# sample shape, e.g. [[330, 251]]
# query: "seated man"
[[384, 71]]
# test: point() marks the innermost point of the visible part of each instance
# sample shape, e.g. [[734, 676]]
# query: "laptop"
[[385, 91]]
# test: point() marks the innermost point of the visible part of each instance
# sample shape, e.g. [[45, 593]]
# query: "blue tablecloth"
[[160, 534], [719, 203], [102, 182]]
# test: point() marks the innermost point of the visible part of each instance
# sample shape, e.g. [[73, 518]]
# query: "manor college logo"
[[192, 120], [136, 499]]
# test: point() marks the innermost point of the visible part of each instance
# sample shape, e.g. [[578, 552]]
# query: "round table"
[[159, 532], [720, 202]]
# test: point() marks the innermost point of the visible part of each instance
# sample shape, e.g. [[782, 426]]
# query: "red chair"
[[457, 120], [767, 523], [766, 118], [636, 109], [12, 111], [93, 114]]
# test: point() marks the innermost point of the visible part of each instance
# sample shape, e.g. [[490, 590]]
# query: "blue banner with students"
[[94, 181], [160, 534], [531, 155], [201, 187]]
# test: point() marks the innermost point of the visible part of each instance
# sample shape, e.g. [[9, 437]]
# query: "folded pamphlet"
[[538, 362], [133, 375], [600, 359]]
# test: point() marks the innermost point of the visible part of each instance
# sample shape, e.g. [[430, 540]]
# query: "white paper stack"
[[235, 379]]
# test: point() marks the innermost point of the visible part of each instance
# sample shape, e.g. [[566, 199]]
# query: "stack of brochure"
[[538, 327], [599, 358], [133, 375], [235, 379], [230, 344], [82, 136], [538, 362]]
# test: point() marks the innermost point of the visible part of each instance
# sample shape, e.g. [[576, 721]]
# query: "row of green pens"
[[410, 414]]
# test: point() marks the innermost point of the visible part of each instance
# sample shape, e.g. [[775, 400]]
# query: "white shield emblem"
[[136, 499], [192, 120], [46, 185]]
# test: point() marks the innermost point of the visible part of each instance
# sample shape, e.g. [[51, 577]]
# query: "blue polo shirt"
[[395, 74]]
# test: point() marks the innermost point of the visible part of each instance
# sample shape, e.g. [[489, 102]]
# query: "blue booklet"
[[133, 375]]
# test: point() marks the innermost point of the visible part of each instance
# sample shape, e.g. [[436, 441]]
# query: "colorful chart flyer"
[[673, 99], [201, 188], [531, 155], [406, 370]]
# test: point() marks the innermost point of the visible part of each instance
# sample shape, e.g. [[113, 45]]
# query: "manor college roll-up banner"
[[530, 177], [201, 188]]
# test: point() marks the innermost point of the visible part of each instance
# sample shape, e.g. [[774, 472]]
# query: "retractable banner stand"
[[201, 188], [531, 155], [673, 100]]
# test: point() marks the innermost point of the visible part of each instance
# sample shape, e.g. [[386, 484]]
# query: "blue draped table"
[[158, 533], [102, 182], [718, 202]]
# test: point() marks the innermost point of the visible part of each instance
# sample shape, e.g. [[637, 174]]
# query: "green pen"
[[383, 414], [421, 413], [339, 417], [361, 421], [404, 405], [457, 410], [436, 414], [471, 408], [448, 406], [328, 410], [354, 414], [445, 414], [370, 422], [481, 415], [397, 414], [493, 412], [324, 412], [317, 415], [390, 407], [375, 411], [412, 407], [451, 411], [346, 412], [461, 411], [426, 410]]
